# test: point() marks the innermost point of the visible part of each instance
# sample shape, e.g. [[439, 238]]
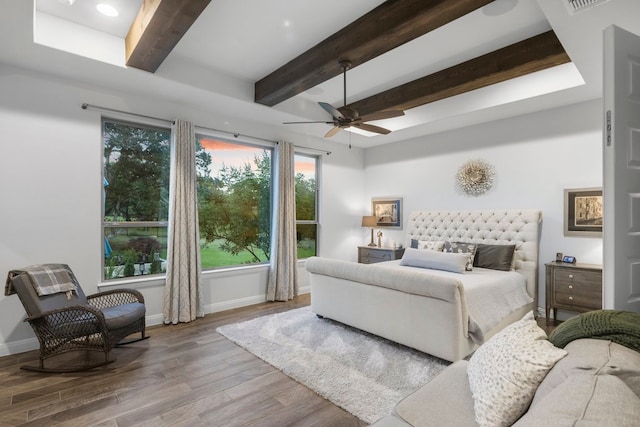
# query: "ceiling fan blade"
[[349, 113], [381, 115], [333, 131], [372, 128], [331, 110], [299, 123]]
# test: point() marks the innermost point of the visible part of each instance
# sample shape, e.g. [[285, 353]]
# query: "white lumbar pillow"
[[504, 373], [435, 260]]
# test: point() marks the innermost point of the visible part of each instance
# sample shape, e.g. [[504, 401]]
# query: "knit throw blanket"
[[622, 327], [46, 279]]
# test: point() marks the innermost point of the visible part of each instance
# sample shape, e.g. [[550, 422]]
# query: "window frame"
[[128, 224], [205, 133], [315, 222]]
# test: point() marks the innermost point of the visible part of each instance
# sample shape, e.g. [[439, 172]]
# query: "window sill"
[[234, 270], [134, 282], [158, 280]]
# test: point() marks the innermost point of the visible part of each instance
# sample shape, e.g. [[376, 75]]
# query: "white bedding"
[[488, 296]]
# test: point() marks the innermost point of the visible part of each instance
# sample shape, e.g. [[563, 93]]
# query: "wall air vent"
[[576, 6]]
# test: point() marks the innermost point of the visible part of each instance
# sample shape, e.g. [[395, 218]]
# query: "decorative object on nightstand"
[[369, 221], [573, 287], [369, 255], [379, 239]]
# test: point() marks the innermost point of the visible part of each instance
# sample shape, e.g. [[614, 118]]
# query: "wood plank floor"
[[184, 375]]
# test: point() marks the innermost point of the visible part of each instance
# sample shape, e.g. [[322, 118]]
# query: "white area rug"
[[364, 374]]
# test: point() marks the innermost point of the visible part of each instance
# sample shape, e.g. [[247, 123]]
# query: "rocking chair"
[[65, 320]]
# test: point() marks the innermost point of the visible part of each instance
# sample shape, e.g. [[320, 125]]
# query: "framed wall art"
[[388, 211], [583, 212]]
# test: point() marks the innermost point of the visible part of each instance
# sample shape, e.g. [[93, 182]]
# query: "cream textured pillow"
[[505, 372], [431, 245]]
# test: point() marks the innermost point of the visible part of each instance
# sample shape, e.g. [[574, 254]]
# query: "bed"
[[446, 314]]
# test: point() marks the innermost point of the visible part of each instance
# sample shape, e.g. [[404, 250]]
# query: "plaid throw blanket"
[[46, 279], [622, 327]]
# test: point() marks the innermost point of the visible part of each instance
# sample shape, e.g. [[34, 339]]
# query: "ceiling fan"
[[344, 117]]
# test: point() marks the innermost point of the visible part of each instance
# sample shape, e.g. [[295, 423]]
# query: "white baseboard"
[[152, 320], [158, 319], [19, 346], [243, 302]]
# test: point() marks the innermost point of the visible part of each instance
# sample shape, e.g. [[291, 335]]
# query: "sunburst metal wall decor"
[[475, 177]]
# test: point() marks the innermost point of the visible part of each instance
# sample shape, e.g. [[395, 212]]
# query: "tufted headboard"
[[506, 227]]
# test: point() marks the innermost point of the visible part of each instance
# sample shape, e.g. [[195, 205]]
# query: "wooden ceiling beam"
[[158, 27], [384, 28], [533, 54]]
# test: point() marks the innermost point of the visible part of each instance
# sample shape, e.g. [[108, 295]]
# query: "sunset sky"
[[225, 153]]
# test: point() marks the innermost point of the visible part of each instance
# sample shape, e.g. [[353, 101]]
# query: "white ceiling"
[[235, 43]]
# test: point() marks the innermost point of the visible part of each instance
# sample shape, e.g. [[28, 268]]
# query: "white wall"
[[535, 157], [51, 192], [50, 184]]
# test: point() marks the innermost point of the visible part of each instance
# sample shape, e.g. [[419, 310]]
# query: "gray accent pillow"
[[462, 248], [495, 257]]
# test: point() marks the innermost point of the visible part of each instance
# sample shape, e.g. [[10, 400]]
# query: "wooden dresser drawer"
[[573, 287], [565, 278], [376, 256], [371, 255], [579, 300]]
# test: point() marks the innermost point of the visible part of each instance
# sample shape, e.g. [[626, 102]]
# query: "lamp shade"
[[369, 221]]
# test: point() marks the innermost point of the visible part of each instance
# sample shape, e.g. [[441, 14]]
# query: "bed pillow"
[[504, 373], [435, 260], [428, 245], [462, 248], [495, 257]]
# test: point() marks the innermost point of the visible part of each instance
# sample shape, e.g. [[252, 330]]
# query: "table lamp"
[[370, 221]]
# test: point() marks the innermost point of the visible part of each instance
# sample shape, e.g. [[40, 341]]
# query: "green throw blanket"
[[622, 327]]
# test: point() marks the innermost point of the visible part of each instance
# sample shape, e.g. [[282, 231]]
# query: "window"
[[136, 199], [305, 168], [234, 202]]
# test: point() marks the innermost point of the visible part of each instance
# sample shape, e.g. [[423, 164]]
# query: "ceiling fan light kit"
[[344, 117]]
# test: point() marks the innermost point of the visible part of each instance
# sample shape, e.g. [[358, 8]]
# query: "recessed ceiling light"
[[108, 10]]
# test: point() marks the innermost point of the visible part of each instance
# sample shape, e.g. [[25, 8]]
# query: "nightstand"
[[573, 287], [372, 254]]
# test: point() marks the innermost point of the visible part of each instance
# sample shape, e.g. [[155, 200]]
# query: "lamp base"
[[372, 244]]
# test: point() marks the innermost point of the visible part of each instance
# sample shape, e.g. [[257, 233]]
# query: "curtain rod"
[[86, 106]]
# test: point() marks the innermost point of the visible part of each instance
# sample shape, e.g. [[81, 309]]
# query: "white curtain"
[[183, 295], [283, 273]]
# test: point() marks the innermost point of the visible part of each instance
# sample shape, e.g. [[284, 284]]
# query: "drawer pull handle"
[[571, 276], [570, 298], [570, 286]]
